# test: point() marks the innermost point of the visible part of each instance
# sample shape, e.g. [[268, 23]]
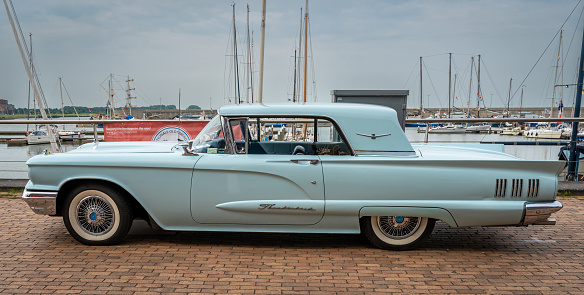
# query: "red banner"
[[152, 131]]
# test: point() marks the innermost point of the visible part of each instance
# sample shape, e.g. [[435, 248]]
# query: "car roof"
[[355, 120]]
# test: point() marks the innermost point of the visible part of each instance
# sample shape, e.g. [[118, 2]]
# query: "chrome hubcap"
[[398, 227], [95, 215]]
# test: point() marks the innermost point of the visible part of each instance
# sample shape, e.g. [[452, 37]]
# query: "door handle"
[[313, 162]]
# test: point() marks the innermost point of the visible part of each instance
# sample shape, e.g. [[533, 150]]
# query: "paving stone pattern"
[[37, 256]]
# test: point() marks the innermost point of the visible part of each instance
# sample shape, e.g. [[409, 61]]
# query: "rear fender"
[[435, 213]]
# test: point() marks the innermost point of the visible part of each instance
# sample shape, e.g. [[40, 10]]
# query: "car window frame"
[[230, 141]]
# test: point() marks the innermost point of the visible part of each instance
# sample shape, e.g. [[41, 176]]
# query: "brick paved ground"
[[38, 256]]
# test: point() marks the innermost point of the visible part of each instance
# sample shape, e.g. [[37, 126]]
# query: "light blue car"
[[315, 168]]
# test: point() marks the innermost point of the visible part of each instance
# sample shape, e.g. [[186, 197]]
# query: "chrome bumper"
[[44, 203], [539, 213]]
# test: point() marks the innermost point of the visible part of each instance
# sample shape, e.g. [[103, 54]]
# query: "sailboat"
[[551, 132]]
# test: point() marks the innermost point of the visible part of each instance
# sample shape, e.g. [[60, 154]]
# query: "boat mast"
[[305, 49], [454, 93], [509, 99], [32, 76], [449, 81], [129, 98], [421, 97], [28, 106], [521, 103], [470, 84], [249, 82], [479, 96], [300, 53], [235, 65], [61, 91], [294, 90], [556, 75], [262, 42]]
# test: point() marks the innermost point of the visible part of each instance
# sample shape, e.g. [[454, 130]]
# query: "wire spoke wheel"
[[95, 215], [398, 227], [396, 232]]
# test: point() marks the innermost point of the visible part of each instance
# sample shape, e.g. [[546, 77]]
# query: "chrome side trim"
[[539, 213], [386, 153], [44, 203]]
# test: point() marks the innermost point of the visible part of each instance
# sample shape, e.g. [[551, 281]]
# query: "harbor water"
[[13, 158]]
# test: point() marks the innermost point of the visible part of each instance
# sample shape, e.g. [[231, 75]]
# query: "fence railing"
[[426, 121]]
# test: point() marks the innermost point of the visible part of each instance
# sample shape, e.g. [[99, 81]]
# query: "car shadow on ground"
[[442, 238]]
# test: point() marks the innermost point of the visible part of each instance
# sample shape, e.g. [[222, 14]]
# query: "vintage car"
[[314, 168]]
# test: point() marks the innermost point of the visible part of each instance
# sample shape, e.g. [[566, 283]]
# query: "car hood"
[[118, 154]]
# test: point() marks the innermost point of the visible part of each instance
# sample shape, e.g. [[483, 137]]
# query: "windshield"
[[210, 139]]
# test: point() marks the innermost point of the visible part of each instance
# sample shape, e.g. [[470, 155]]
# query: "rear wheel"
[[97, 215], [396, 232]]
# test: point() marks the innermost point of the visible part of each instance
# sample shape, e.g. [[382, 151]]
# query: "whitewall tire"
[[396, 232], [97, 215]]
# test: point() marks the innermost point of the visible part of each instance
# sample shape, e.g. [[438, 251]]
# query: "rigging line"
[[314, 97], [545, 88], [411, 73], [571, 40], [492, 82], [548, 46], [291, 75], [432, 83], [226, 76], [433, 55], [72, 104], [458, 83], [32, 68], [461, 84], [143, 94]]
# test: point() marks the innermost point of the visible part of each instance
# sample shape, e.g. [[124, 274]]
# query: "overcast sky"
[[371, 44]]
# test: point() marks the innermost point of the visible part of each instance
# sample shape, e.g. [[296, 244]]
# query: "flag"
[[560, 108], [89, 110]]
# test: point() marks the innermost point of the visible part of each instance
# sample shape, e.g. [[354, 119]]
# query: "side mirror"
[[187, 149]]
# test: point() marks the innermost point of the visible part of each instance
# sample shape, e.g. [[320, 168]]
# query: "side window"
[[238, 128], [210, 140], [286, 136], [329, 140]]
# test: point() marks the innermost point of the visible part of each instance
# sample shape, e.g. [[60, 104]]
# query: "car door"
[[243, 188]]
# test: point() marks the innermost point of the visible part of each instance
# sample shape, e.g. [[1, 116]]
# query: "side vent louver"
[[501, 188], [516, 188], [533, 188]]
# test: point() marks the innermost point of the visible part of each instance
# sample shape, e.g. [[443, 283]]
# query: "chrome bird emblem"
[[373, 135]]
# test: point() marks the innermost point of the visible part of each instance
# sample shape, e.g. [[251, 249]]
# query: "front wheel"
[[396, 232], [97, 215]]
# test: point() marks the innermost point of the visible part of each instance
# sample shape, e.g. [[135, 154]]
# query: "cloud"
[[373, 44]]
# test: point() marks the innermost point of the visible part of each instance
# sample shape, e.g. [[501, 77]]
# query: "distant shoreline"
[[21, 116]]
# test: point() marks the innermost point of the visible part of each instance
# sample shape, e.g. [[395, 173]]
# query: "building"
[[395, 99], [6, 108]]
